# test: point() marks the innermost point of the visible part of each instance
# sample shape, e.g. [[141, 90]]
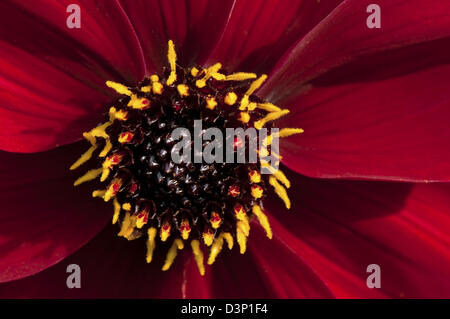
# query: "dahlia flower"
[[364, 149]]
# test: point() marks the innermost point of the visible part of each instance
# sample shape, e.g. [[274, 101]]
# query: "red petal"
[[393, 128], [52, 77], [111, 267], [43, 218], [194, 26], [341, 227], [343, 36], [259, 32]]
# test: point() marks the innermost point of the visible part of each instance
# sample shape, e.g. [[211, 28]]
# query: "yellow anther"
[[285, 132], [242, 240], [119, 88], [269, 117], [215, 220], [185, 229], [208, 238], [146, 88], [244, 117], [172, 57], [198, 256], [215, 249], [251, 106], [172, 253], [84, 158], [279, 175], [255, 176], [154, 78], [257, 191], [244, 226], [90, 138], [229, 239], [263, 220], [280, 191], [151, 233], [218, 76], [269, 107], [126, 224], [120, 115], [240, 76], [194, 71], [244, 103], [183, 89], [157, 88], [98, 193], [138, 103], [209, 72], [100, 131], [211, 103], [165, 231], [105, 174], [230, 98], [126, 206], [116, 211], [142, 218], [89, 176], [253, 87], [106, 149], [112, 189]]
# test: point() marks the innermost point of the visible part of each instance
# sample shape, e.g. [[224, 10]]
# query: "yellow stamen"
[[119, 88], [279, 175], [194, 72], [208, 238], [245, 117], [151, 232], [106, 149], [172, 57], [154, 78], [263, 220], [241, 239], [240, 76], [269, 117], [126, 223], [120, 115], [157, 88], [229, 239], [146, 88], [172, 253], [280, 191], [257, 191], [211, 103], [183, 90], [165, 231], [244, 226], [84, 158], [255, 176], [253, 87], [138, 103], [198, 255], [98, 193], [116, 211], [209, 72], [285, 132], [126, 206], [269, 107], [89, 176], [215, 249], [230, 98]]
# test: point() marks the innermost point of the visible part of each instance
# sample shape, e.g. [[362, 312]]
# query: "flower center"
[[204, 204]]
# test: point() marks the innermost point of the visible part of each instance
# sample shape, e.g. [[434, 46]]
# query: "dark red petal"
[[111, 267], [52, 78], [392, 128], [343, 35], [194, 26], [259, 32], [341, 227], [43, 218]]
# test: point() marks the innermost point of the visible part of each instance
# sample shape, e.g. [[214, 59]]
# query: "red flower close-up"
[[90, 91]]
